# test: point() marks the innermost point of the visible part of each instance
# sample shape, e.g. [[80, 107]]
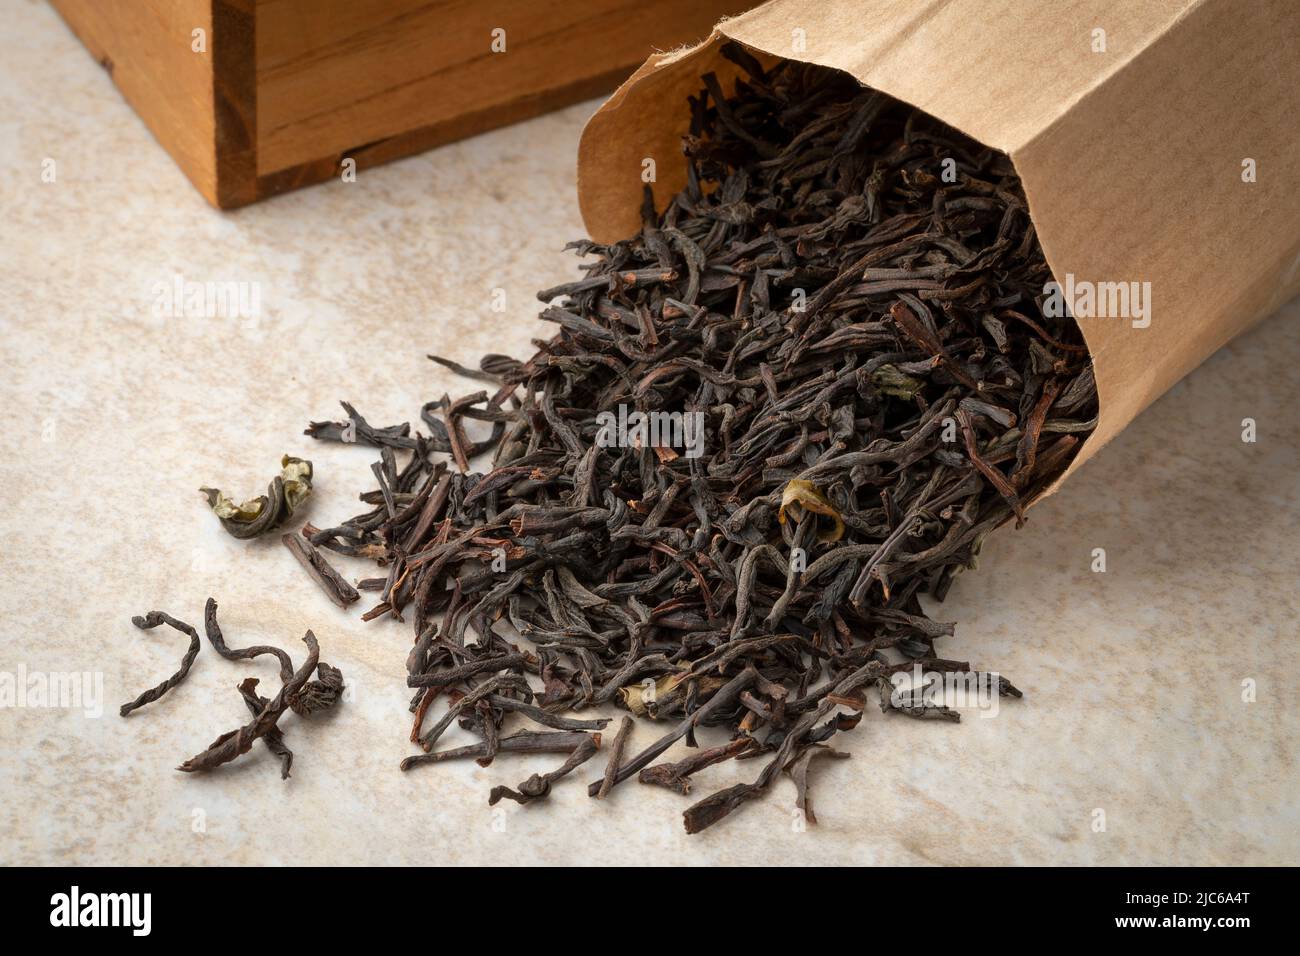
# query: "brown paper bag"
[[1136, 127]]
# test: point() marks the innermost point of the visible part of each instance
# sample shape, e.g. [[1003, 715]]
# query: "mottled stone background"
[[113, 418]]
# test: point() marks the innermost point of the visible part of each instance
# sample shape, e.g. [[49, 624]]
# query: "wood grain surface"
[[288, 89], [146, 47]]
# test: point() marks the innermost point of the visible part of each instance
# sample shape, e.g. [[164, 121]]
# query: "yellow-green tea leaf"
[[802, 496]]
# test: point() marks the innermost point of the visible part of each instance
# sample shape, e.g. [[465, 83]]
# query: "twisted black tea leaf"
[[151, 620], [799, 398]]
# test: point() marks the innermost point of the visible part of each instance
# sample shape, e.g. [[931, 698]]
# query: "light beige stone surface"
[[1133, 678]]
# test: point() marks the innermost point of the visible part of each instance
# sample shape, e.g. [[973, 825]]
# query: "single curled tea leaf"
[[357, 430], [800, 497], [538, 786], [218, 641], [151, 620], [285, 495]]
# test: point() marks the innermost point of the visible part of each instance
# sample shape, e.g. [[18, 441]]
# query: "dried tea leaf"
[[893, 382], [151, 620], [826, 303], [639, 699], [803, 496], [296, 474], [285, 495]]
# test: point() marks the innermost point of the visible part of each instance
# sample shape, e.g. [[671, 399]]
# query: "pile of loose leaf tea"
[[844, 300]]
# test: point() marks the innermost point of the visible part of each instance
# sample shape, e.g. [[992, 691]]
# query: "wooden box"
[[256, 97]]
